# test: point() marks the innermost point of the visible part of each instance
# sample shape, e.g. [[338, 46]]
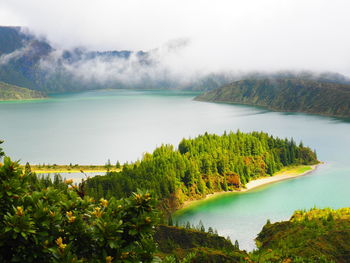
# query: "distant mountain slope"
[[286, 94], [11, 92], [11, 39], [32, 62]]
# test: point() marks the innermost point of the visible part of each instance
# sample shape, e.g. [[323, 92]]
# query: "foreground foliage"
[[206, 164], [61, 224]]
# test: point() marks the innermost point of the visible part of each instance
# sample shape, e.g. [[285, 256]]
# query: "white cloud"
[[222, 34]]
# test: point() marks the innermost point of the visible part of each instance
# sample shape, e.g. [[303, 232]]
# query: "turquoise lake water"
[[92, 127]]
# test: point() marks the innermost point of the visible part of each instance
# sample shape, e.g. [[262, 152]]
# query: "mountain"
[[32, 62], [314, 96], [12, 92]]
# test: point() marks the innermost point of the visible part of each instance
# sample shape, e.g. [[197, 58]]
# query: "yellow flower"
[[147, 197], [138, 197], [60, 244], [104, 202], [19, 211], [70, 216], [148, 220], [72, 187], [125, 254], [52, 214], [69, 181], [97, 212], [109, 259]]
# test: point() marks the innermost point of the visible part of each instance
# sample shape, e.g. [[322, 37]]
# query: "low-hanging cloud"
[[128, 68], [210, 36]]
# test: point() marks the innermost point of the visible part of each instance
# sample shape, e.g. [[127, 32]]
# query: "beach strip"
[[284, 174]]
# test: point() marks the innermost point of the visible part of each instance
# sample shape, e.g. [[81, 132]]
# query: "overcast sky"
[[210, 35]]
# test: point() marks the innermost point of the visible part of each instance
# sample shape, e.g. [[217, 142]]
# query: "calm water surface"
[[92, 127]]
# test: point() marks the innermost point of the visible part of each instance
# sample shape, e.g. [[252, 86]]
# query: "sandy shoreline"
[[281, 176]]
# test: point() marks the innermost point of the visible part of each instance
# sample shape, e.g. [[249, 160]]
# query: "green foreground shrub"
[[63, 225]]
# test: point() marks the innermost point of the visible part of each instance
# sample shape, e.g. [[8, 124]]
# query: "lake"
[[92, 127]]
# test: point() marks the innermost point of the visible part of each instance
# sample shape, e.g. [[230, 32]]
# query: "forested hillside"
[[11, 92], [286, 94], [206, 164], [195, 245], [318, 235]]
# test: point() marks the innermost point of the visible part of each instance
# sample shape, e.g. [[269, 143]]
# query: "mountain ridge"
[[286, 94]]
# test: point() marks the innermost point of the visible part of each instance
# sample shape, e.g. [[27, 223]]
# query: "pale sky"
[[238, 35]]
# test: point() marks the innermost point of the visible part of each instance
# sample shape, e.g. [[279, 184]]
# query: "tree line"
[[202, 165]]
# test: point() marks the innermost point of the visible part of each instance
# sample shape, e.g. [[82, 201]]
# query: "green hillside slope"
[[181, 243], [11, 92], [319, 235], [286, 94]]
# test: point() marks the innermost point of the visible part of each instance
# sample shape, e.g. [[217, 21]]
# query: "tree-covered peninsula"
[[206, 164], [286, 94], [12, 92]]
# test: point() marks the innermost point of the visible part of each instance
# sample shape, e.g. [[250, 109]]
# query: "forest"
[[202, 165]]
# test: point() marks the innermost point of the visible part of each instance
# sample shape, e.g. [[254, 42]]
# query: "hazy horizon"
[[187, 40]]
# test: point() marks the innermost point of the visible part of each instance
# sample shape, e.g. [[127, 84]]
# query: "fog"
[[195, 37]]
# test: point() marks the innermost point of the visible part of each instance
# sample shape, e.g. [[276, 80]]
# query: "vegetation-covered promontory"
[[12, 92], [286, 94], [206, 164]]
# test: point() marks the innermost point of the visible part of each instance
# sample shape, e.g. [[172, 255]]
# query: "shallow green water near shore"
[[92, 127]]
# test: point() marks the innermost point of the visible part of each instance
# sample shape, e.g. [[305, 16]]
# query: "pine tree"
[[27, 169], [1, 151]]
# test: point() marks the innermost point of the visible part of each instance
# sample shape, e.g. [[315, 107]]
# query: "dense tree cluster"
[[203, 165]]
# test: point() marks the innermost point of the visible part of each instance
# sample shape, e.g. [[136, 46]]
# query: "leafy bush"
[[60, 225]]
